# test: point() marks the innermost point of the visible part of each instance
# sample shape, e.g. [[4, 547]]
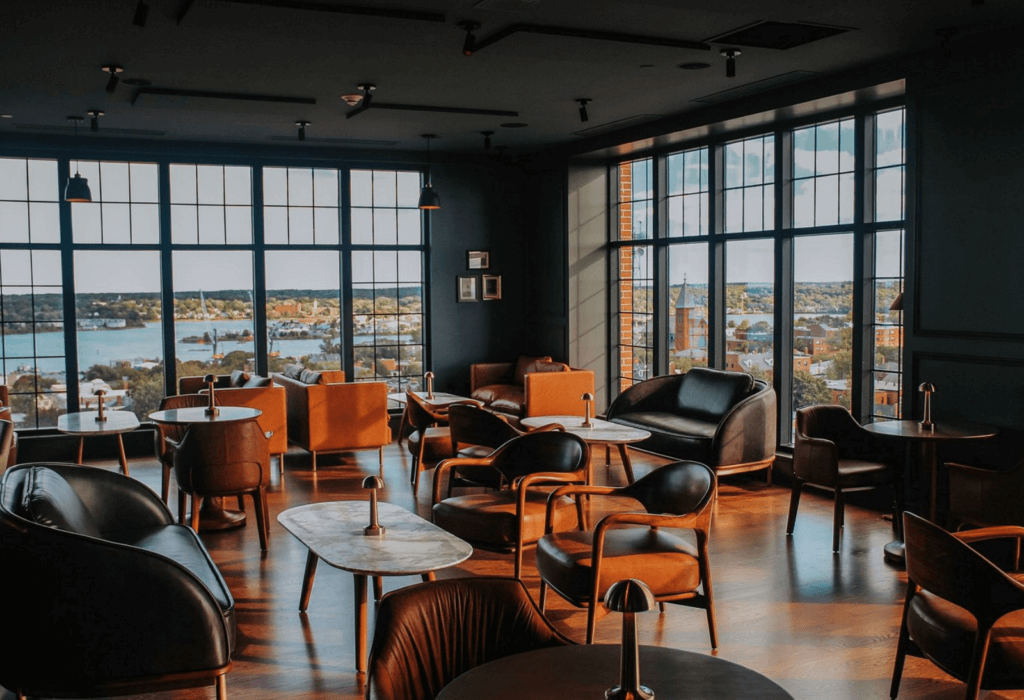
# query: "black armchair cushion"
[[49, 500], [708, 394], [671, 432], [256, 381]]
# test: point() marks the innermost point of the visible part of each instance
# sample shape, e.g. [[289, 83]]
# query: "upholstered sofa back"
[[531, 386]]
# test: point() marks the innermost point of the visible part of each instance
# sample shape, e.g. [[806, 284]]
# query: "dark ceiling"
[[53, 50]]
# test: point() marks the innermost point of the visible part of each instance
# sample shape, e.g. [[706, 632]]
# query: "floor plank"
[[822, 626]]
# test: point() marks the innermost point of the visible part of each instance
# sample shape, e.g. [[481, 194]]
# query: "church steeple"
[[682, 302]]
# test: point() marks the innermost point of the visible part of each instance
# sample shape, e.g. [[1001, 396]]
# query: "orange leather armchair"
[[531, 386], [962, 612], [430, 633], [337, 417], [580, 566]]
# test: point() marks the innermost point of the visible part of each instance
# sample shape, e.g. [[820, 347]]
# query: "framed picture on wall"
[[491, 287], [478, 259], [467, 288]]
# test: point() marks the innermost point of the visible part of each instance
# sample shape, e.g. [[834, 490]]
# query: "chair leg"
[[837, 518], [165, 484], [195, 512], [181, 506], [709, 595], [901, 656], [241, 503], [280, 463], [543, 595], [222, 687], [794, 504], [380, 460], [768, 476], [259, 499], [591, 620], [314, 460]]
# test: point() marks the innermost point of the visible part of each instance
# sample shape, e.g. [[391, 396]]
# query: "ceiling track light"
[[487, 139], [77, 189], [141, 13], [469, 45], [583, 102], [302, 124], [429, 198], [730, 61], [94, 119], [114, 70]]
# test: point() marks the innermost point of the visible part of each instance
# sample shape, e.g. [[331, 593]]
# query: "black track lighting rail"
[[434, 108], [389, 12], [217, 95], [578, 33]]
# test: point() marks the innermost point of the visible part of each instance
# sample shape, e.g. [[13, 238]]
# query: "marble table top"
[[410, 545], [602, 430], [85, 422], [197, 414]]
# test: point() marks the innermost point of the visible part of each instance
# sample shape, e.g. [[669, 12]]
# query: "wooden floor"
[[823, 626]]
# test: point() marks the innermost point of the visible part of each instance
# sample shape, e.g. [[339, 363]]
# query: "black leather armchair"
[[105, 594], [726, 420]]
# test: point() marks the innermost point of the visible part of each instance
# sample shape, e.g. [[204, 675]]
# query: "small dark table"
[[587, 670], [214, 516], [911, 432]]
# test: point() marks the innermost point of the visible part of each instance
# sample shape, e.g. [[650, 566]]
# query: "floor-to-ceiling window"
[[182, 268], [766, 244]]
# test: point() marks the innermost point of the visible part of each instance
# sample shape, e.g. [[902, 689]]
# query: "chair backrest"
[[428, 634], [549, 451], [222, 457], [827, 421], [419, 416], [472, 425], [941, 564], [175, 431], [677, 488]]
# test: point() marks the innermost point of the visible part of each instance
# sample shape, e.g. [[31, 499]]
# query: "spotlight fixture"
[[94, 119], [730, 61], [302, 124], [114, 71], [141, 12], [77, 189], [353, 99], [470, 43], [583, 102], [429, 198], [487, 139]]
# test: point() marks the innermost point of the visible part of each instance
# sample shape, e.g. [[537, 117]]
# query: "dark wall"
[[966, 330], [482, 208]]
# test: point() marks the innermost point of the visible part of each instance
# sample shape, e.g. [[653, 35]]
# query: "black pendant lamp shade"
[[77, 189], [429, 199]]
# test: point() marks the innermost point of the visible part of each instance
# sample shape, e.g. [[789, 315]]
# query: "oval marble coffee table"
[[602, 432], [333, 532]]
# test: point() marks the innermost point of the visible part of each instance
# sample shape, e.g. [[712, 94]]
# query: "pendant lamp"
[[77, 189], [429, 198]]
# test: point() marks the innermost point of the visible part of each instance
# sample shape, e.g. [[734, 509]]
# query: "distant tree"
[[809, 390]]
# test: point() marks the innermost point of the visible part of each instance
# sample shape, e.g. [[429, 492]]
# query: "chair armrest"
[[443, 467], [991, 533], [747, 433], [557, 393], [816, 460], [571, 490], [487, 373], [141, 604]]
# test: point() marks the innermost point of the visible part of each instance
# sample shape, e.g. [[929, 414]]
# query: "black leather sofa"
[[726, 420], [104, 594]]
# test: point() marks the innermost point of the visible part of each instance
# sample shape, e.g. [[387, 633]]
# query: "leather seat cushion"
[[680, 436], [859, 472], [437, 447], [945, 633], [489, 519], [475, 451], [666, 563], [181, 544], [506, 398]]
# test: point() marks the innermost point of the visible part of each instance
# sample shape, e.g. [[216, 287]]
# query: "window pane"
[[303, 309], [224, 198], [120, 336], [750, 307], [748, 183], [688, 321]]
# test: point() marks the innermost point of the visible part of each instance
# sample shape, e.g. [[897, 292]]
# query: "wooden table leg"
[[307, 580], [429, 576], [81, 448], [930, 459], [626, 463], [378, 589], [359, 589], [121, 456]]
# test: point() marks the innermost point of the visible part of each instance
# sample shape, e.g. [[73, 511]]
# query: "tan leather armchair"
[[581, 565], [337, 417], [962, 612], [531, 386], [430, 633]]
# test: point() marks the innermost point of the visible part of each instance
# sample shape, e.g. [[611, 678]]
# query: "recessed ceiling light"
[[514, 125], [6, 116], [694, 65]]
